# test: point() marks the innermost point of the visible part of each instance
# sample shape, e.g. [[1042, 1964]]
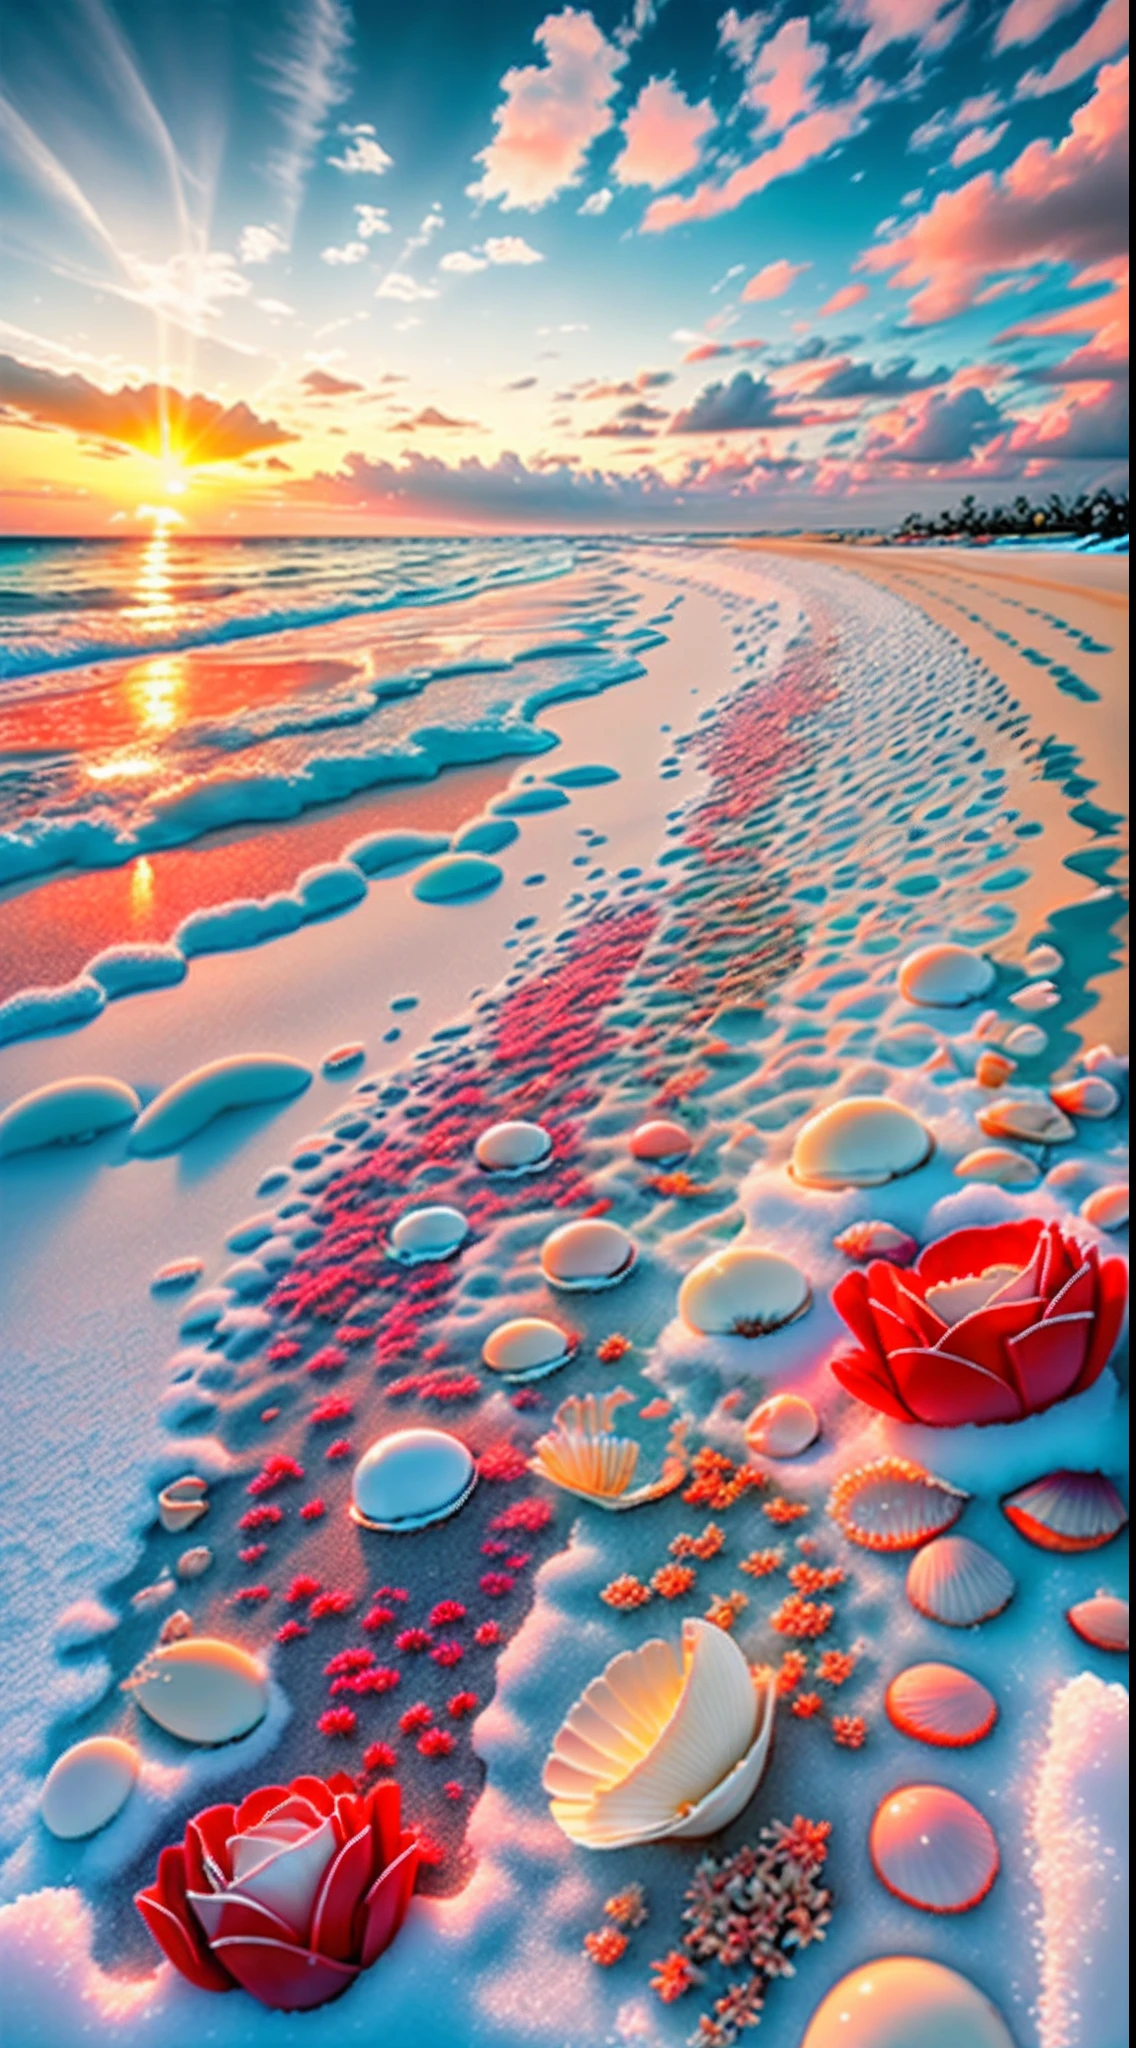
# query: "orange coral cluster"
[[625, 1593], [716, 1482], [724, 1610], [760, 1563], [804, 1618]]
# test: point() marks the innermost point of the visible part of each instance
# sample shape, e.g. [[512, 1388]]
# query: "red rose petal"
[[1112, 1297], [980, 1338], [387, 1902], [945, 1391], [1078, 1297], [1058, 1267], [259, 1803], [343, 1887], [889, 1288], [963, 1253], [851, 1300], [207, 1866], [164, 1907], [319, 1792], [859, 1374], [1048, 1359], [287, 1979], [386, 1808], [231, 1913]]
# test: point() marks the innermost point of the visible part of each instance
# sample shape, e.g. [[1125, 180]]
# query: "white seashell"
[[956, 1581], [992, 1068], [660, 1140], [527, 1348], [1043, 959], [192, 1564], [1032, 1119], [661, 1746], [513, 1148], [583, 1456], [175, 1626], [87, 1786], [1100, 1059], [999, 1167], [782, 1427], [945, 977], [1068, 1511], [863, 1241], [1107, 1208], [1101, 1621], [940, 1705], [423, 1235], [1092, 1096], [154, 1595], [1037, 995], [1025, 1041], [182, 1503], [586, 1256], [177, 1273], [741, 1292], [933, 1849], [202, 1689], [906, 2002], [893, 1504], [860, 1143], [412, 1478]]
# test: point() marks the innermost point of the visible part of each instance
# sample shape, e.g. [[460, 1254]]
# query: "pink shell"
[[782, 1427], [940, 1705], [958, 1582], [893, 1504], [864, 1241], [1067, 1511], [933, 1849], [1101, 1621], [660, 1140]]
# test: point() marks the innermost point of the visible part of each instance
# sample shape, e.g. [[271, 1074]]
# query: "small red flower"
[[379, 1756], [488, 1634], [461, 1704], [416, 1718], [338, 1721], [446, 1611], [303, 1587], [495, 1585], [435, 1742], [313, 1510], [291, 1631], [412, 1641], [605, 1947]]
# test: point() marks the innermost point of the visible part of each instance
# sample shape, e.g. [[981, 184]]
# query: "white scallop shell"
[[1107, 1208], [182, 1503], [782, 1427], [583, 1456], [906, 2002], [742, 1292], [1092, 1096], [193, 1563], [423, 1235], [411, 1478], [1032, 1119], [860, 1143], [956, 1581], [659, 1745], [1025, 1041], [893, 1504], [87, 1786], [999, 1167], [585, 1256], [527, 1347], [659, 1141], [864, 1241], [1102, 1621], [933, 1849], [945, 977], [1037, 995], [1067, 1511], [513, 1148], [201, 1689], [940, 1705]]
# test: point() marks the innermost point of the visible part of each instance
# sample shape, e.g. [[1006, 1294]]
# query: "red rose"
[[290, 1894], [989, 1325]]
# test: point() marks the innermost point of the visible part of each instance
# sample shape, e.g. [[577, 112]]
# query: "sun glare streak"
[[122, 768], [156, 690], [141, 886]]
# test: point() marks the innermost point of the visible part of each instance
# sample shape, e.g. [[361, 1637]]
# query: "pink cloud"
[[711, 351], [551, 114], [1103, 38], [843, 300], [1091, 427], [975, 143], [1025, 20], [930, 23], [1052, 205], [801, 144], [783, 81], [663, 136], [774, 280]]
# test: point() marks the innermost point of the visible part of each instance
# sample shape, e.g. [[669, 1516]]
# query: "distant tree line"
[[1102, 513]]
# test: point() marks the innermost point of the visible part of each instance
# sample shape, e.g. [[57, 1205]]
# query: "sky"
[[315, 267]]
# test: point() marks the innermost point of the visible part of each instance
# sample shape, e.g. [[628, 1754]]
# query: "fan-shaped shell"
[[1067, 1511], [585, 1256], [513, 1148], [992, 1068], [933, 1849], [940, 1705], [527, 1347], [411, 1478], [956, 1581], [945, 977], [87, 1786], [423, 1235], [202, 1689], [864, 1241], [741, 1292], [782, 1427], [906, 2002], [582, 1456], [1102, 1621], [860, 1143], [1107, 1208], [893, 1504], [182, 1503], [1093, 1095], [999, 1167], [1032, 1119], [662, 1744], [660, 1140]]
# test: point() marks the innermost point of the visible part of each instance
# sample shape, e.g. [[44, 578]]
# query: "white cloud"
[[364, 154], [371, 221], [350, 252], [510, 249], [596, 202], [259, 244], [551, 114], [397, 285], [463, 262], [187, 288], [277, 309], [307, 73]]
